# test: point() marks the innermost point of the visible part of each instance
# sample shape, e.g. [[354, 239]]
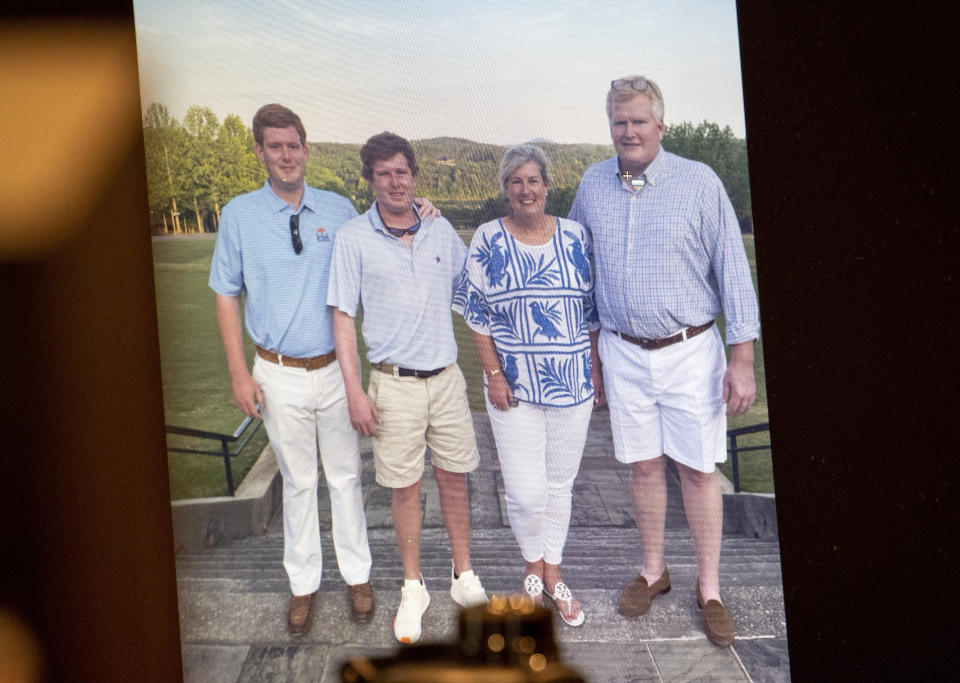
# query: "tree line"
[[196, 165]]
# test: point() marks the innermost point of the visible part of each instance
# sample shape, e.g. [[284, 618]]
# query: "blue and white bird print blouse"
[[536, 301]]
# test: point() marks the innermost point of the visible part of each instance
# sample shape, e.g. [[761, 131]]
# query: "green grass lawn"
[[196, 384], [756, 468]]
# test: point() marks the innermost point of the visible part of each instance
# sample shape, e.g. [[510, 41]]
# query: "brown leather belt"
[[405, 372], [314, 363], [653, 344]]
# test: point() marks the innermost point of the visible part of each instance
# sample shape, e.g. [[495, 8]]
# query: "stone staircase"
[[233, 598]]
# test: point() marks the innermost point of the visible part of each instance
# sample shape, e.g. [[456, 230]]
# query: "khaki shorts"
[[416, 414]]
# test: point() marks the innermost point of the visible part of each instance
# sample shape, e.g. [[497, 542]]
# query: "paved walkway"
[[233, 598]]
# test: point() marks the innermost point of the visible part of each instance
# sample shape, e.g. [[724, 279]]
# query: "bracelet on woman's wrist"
[[491, 373]]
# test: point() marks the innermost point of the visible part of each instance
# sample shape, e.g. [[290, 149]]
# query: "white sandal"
[[562, 594], [533, 587]]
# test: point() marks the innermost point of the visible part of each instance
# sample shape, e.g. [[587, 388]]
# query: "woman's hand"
[[498, 391]]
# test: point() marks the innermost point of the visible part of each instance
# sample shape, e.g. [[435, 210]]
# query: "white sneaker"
[[414, 600], [466, 589]]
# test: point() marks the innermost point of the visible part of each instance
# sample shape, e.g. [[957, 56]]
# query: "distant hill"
[[194, 167], [454, 169]]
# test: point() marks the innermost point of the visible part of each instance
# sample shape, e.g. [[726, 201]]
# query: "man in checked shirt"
[[669, 259]]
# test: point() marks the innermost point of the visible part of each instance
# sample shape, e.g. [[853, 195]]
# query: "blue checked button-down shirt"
[[405, 293], [669, 255], [286, 293]]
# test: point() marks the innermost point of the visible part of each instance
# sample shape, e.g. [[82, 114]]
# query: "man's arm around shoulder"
[[363, 414], [246, 392]]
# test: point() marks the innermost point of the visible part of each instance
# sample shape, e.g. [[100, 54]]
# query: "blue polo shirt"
[[405, 293], [286, 292]]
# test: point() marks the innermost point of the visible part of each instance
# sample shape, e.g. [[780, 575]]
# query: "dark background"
[[851, 125], [86, 546], [851, 143]]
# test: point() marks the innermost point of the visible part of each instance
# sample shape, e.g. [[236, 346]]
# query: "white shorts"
[[667, 401]]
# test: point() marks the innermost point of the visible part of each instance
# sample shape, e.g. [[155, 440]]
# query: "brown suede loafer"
[[361, 602], [716, 622], [636, 598], [298, 618]]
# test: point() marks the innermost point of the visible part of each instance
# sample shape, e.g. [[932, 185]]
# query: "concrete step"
[[247, 577], [233, 608], [604, 558], [233, 598]]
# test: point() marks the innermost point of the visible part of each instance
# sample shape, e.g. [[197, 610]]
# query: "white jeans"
[[302, 409], [540, 450]]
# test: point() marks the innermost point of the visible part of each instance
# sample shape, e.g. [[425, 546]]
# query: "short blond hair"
[[629, 87]]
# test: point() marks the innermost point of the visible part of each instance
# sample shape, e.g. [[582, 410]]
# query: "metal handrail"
[[224, 439], [734, 450]]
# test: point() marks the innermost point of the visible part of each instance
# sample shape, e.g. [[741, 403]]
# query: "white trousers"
[[540, 450], [301, 410]]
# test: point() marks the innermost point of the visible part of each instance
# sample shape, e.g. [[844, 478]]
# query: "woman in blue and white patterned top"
[[526, 292]]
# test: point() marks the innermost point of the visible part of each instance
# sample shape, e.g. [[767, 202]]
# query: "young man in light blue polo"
[[274, 246], [402, 270]]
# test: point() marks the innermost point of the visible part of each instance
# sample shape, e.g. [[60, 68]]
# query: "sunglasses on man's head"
[[638, 84]]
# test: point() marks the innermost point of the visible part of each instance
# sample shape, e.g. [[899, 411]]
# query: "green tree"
[[323, 178], [203, 163], [164, 140], [560, 199], [721, 150], [241, 171]]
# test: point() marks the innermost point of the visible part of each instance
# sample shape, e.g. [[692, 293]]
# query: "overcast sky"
[[492, 71]]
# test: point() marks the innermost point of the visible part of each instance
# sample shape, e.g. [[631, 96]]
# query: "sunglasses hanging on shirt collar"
[[295, 233], [400, 232]]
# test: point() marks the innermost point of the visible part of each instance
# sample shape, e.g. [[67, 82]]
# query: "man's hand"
[[427, 210], [364, 417], [246, 394], [596, 370], [599, 391], [739, 385], [363, 414]]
